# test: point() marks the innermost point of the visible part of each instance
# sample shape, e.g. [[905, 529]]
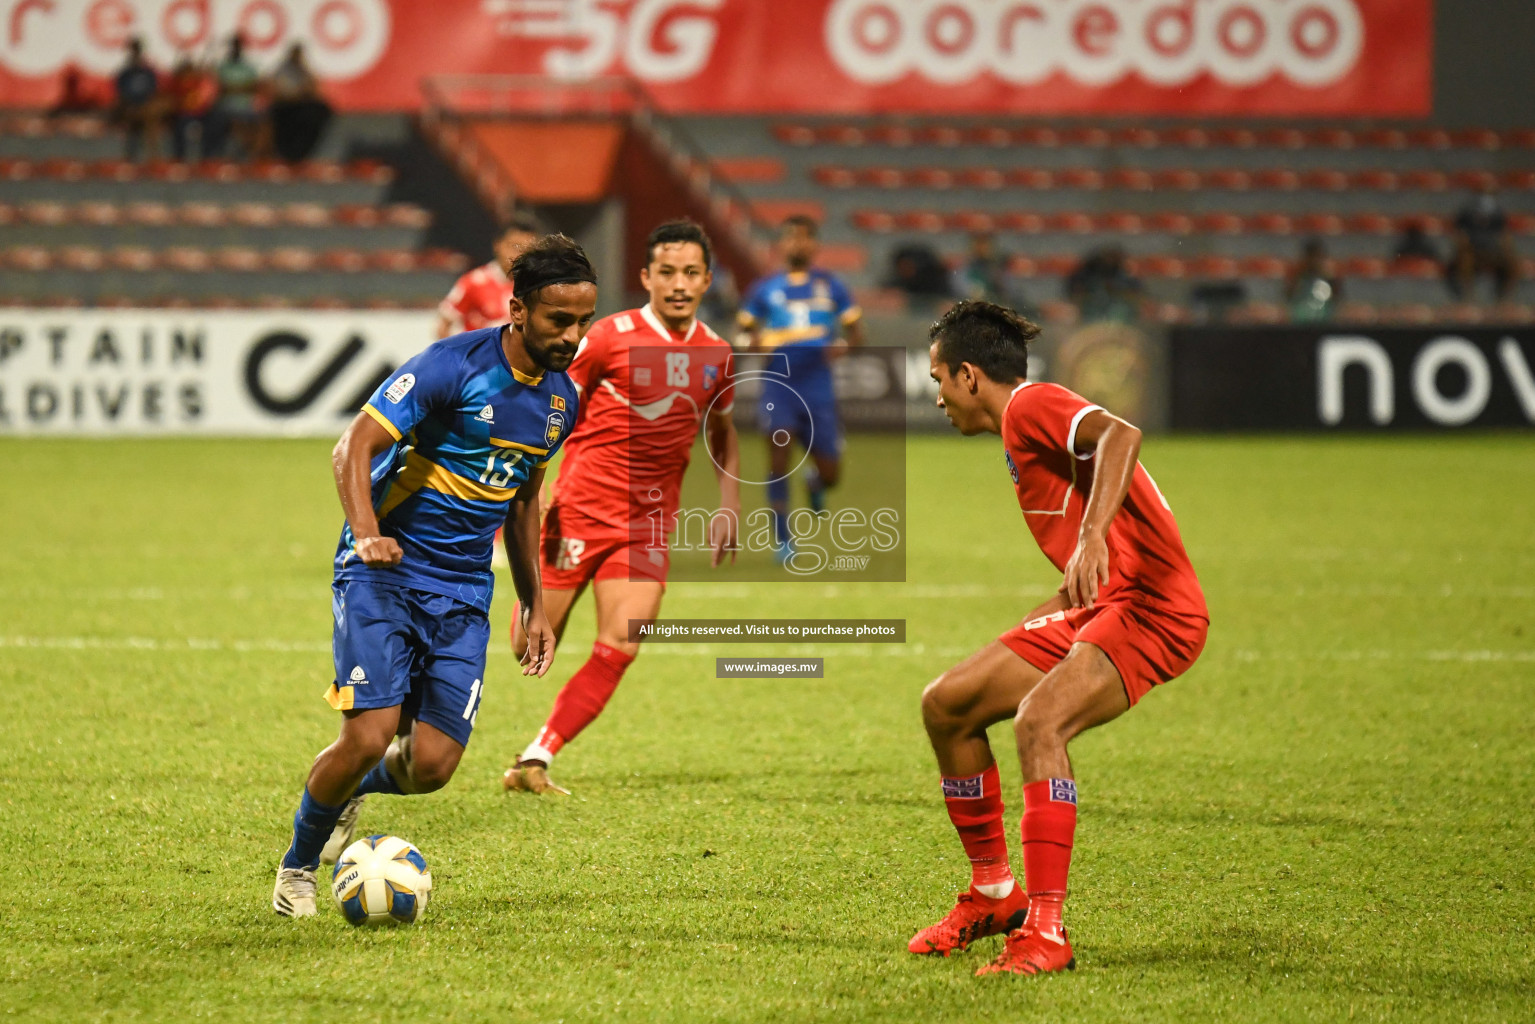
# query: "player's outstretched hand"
[[723, 527], [1087, 571], [379, 552], [540, 652]]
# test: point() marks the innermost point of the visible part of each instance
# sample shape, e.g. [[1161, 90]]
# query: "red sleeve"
[[453, 307], [727, 399], [591, 360], [1046, 417]]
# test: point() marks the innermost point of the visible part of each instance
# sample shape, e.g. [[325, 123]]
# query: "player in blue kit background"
[[808, 315], [450, 448]]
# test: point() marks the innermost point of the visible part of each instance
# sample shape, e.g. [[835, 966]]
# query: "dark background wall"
[[1484, 63]]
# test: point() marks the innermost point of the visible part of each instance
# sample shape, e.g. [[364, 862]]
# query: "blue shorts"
[[808, 414], [421, 652]]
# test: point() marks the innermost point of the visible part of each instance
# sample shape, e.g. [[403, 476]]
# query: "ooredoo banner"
[[163, 372], [1360, 57]]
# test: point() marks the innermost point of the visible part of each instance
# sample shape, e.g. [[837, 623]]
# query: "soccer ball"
[[381, 880]]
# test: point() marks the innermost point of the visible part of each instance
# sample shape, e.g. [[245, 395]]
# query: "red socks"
[[1049, 825], [975, 808], [582, 699]]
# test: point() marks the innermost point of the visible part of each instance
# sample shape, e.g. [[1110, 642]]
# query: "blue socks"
[[378, 780], [778, 500], [312, 826]]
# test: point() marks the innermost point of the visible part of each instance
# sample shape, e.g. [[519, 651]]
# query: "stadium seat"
[[1333, 138], [1282, 137], [345, 260], [355, 215], [1021, 222], [254, 215], [973, 221], [98, 214], [1123, 223], [1071, 222], [873, 220], [1031, 178], [28, 257], [929, 177], [1131, 179], [1234, 138], [1376, 180], [1319, 224], [326, 172], [1369, 267], [1171, 223], [794, 134], [1474, 180], [274, 171], [889, 135], [1214, 267], [774, 212], [81, 257], [292, 259], [880, 177], [1279, 179], [1523, 180], [939, 135], [1354, 312], [1259, 313], [1187, 137], [1477, 138], [980, 177], [1090, 136], [843, 258], [834, 177], [1137, 136], [1221, 223], [1179, 179], [1384, 138], [219, 170], [132, 257], [202, 214], [1080, 177], [149, 213], [1325, 180], [1231, 179], [755, 170], [926, 221], [114, 170], [44, 212], [1160, 266], [1001, 137], [1059, 311], [1430, 138], [1270, 267], [1370, 224], [186, 258], [406, 215], [239, 259], [1426, 180], [1271, 223], [1420, 268]]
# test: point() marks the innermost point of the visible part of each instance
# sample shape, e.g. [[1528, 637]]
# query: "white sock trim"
[[538, 753], [996, 891]]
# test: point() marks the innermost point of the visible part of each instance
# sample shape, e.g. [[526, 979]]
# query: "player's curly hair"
[[553, 259], [672, 232], [992, 338]]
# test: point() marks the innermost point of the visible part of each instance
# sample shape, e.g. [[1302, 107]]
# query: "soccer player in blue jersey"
[[448, 449], [808, 315]]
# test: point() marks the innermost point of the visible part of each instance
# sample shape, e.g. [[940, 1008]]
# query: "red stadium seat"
[[793, 134], [323, 171], [219, 170], [1522, 180], [1271, 223], [307, 215], [1023, 266], [239, 258], [1234, 138], [1474, 180], [1279, 179], [1325, 180], [1221, 223], [1260, 313], [149, 214], [930, 177], [28, 257], [1021, 222], [881, 300], [114, 170], [1079, 177], [1187, 136], [442, 259], [1477, 138], [1090, 136], [919, 220], [1433, 224], [873, 220], [45, 212], [292, 259], [1384, 138], [1071, 222], [1059, 311], [254, 215], [1319, 224], [840, 134], [1271, 267], [775, 211], [973, 221], [111, 301], [749, 169], [373, 172], [271, 302], [7, 213], [355, 215], [1521, 223], [1133, 179], [202, 215], [97, 214], [881, 177], [1463, 313], [843, 258], [1122, 223], [327, 302], [980, 177], [1031, 177], [1372, 267], [1160, 266], [890, 135], [185, 258], [81, 257], [1420, 268], [346, 260], [1028, 135], [16, 169], [1138, 136], [1429, 181], [939, 135], [270, 170], [1520, 138], [1171, 223], [400, 261], [1333, 138], [1355, 312], [1377, 180], [1370, 224], [1430, 138], [132, 257], [1180, 179], [834, 177], [1414, 314], [1056, 266], [1283, 138], [1214, 267]]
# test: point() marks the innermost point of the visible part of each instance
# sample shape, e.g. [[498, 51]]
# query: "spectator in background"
[[984, 276], [480, 298], [138, 107], [76, 94], [1102, 287], [236, 111], [916, 270], [1482, 245], [1415, 245], [299, 113], [192, 93], [1312, 288]]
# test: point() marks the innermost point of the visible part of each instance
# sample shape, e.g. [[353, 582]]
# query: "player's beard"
[[552, 356]]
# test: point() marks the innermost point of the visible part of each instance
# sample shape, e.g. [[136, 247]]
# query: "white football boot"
[[294, 894], [341, 835]]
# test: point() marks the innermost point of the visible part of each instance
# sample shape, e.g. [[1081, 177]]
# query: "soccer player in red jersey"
[[1129, 615], [481, 297], [648, 378]]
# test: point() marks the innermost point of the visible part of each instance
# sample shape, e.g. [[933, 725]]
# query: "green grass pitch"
[[1329, 818]]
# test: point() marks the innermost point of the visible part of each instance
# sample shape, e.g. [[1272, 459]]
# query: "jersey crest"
[[553, 427]]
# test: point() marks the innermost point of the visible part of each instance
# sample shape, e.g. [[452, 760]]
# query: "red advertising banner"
[[1174, 57]]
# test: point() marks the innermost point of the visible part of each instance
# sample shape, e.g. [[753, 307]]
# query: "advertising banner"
[[99, 372], [1178, 57], [1352, 379]]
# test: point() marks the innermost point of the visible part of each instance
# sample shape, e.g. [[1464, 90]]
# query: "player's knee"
[[430, 774], [1035, 723], [938, 712]]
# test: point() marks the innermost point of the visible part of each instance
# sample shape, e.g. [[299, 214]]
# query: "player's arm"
[[352, 462], [725, 524], [521, 539], [1115, 446]]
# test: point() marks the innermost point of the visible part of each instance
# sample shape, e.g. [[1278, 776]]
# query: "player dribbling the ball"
[[1129, 616], [448, 449]]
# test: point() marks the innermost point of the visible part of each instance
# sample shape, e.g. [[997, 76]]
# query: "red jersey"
[[478, 299], [644, 393], [1147, 563]]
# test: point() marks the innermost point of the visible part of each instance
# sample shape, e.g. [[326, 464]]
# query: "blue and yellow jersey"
[[470, 430], [800, 314]]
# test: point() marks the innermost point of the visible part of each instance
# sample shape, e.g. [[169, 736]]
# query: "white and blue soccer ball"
[[381, 880]]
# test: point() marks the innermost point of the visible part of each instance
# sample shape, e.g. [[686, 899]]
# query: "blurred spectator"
[[916, 270], [77, 95], [480, 298], [193, 92], [139, 107], [1415, 245], [1102, 287], [984, 273], [236, 111], [299, 113], [1312, 288], [1482, 245]]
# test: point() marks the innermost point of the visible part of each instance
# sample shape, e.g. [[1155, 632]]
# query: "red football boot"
[[1030, 952], [974, 916]]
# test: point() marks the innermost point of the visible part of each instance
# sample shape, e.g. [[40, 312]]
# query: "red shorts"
[[574, 551], [1147, 645]]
